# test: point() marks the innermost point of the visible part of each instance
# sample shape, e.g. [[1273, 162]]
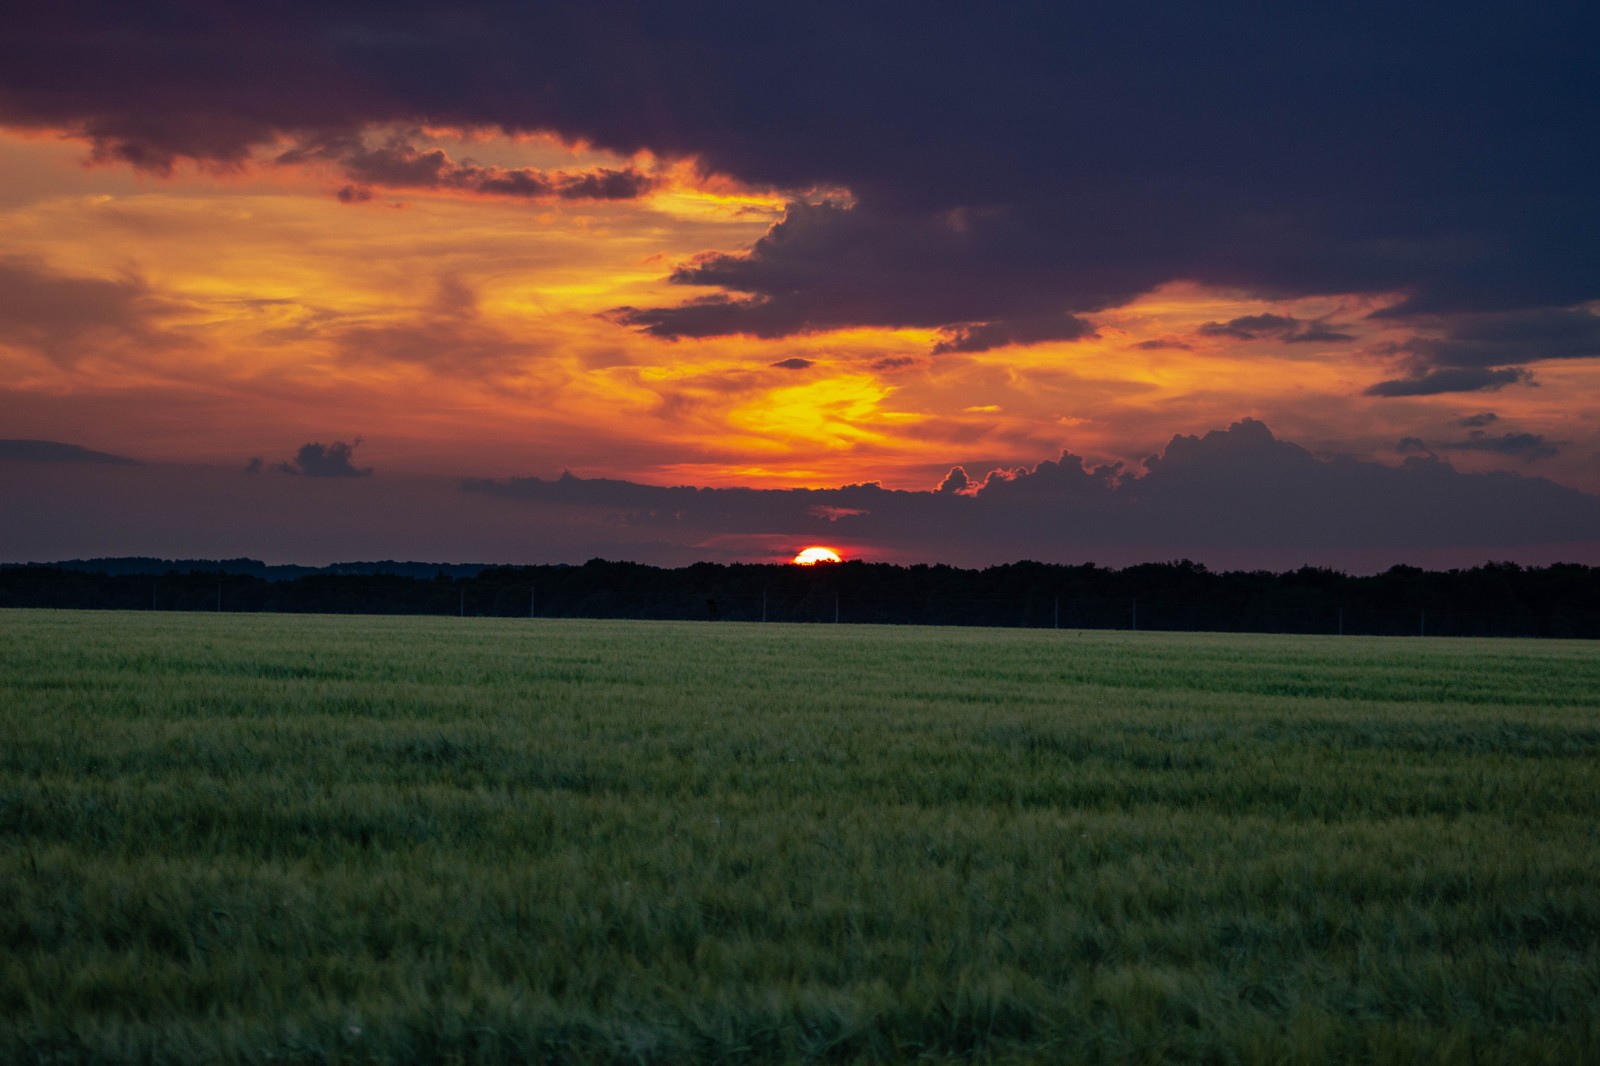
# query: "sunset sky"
[[504, 282]]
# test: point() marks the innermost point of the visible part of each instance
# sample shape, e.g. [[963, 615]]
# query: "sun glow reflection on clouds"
[[470, 334]]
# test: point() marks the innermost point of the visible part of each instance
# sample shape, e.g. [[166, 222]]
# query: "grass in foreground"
[[352, 839]]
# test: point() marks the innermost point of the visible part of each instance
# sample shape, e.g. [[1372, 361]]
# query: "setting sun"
[[813, 556]]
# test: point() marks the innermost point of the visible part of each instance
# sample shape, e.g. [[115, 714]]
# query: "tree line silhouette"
[[1495, 599]]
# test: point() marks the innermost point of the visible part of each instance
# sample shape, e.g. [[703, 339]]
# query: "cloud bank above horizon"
[[1225, 498]]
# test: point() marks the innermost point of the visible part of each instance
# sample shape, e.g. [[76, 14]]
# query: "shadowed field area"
[[345, 839]]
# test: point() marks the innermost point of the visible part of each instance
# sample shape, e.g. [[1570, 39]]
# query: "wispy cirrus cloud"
[[65, 317]]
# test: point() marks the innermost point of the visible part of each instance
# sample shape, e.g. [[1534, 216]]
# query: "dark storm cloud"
[[50, 451], [398, 164], [603, 184], [1234, 490], [1477, 352], [986, 335], [331, 460], [796, 363], [1525, 446], [985, 279], [1249, 327], [1006, 162], [1491, 340], [1286, 328], [1435, 382], [1315, 333], [1476, 421]]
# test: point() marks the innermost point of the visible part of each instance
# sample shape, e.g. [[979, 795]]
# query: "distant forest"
[[1496, 599]]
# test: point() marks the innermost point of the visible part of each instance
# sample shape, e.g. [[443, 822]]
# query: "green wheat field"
[[349, 839]]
